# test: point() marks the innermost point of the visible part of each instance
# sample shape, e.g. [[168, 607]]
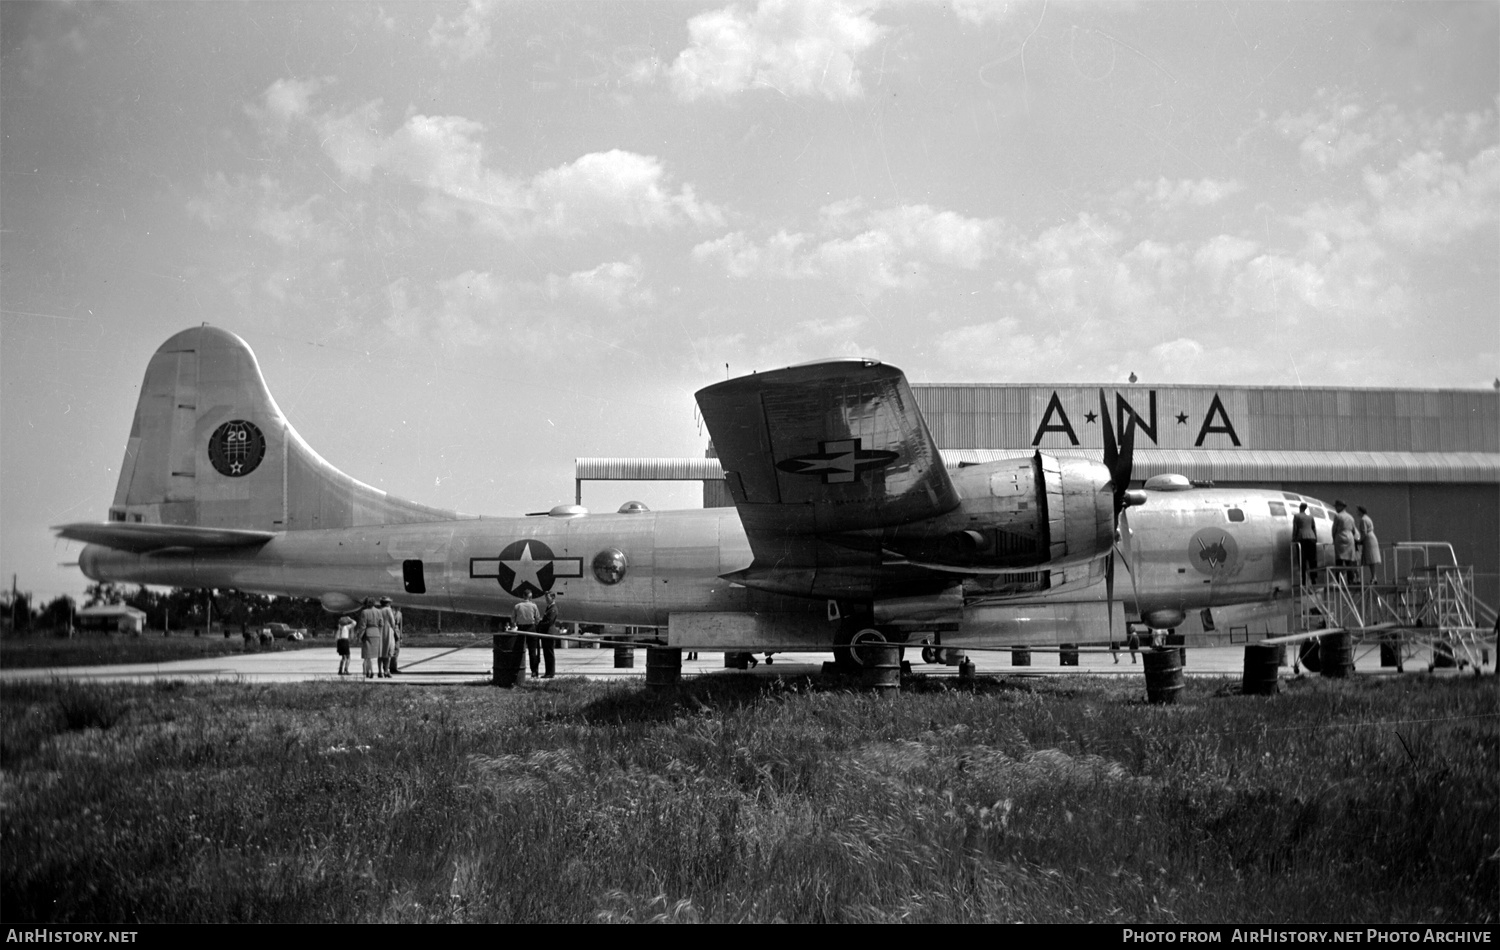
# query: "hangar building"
[[1425, 462]]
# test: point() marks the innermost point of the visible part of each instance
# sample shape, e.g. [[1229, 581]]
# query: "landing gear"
[[930, 653], [1310, 655]]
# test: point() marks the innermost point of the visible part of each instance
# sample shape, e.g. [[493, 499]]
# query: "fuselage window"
[[1236, 514], [1319, 513], [411, 576], [1278, 510]]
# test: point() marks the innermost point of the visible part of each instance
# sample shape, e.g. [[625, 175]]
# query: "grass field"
[[735, 798]]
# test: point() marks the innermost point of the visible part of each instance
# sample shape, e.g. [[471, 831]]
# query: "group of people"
[[378, 629], [1354, 542]]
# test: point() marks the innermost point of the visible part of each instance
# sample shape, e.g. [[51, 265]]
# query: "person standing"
[[341, 644], [387, 636], [526, 617], [544, 626], [1305, 534], [369, 624], [1369, 544], [400, 632], [1343, 537]]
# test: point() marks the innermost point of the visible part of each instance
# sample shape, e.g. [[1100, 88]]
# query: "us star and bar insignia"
[[526, 565], [838, 461]]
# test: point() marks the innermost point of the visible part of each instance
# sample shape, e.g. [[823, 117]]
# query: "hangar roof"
[[1234, 465], [1240, 465]]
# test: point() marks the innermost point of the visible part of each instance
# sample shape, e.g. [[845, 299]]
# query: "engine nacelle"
[[1017, 514]]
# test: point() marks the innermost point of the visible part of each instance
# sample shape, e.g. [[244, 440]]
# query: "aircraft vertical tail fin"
[[210, 448]]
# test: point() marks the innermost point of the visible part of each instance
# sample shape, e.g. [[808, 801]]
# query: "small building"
[[111, 618]]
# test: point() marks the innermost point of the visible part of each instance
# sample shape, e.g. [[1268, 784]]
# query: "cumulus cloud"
[[468, 309], [612, 286], [263, 206], [284, 101], [466, 35], [1428, 201], [888, 249], [1171, 195], [445, 156], [614, 187], [797, 47]]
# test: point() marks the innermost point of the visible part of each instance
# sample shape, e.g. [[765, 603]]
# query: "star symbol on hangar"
[[1182, 418], [1090, 416]]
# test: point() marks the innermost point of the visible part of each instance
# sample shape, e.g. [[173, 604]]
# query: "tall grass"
[[740, 799]]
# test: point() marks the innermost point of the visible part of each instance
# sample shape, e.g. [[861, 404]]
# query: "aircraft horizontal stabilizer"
[[144, 538]]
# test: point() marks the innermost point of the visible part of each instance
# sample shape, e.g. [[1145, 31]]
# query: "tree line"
[[189, 609]]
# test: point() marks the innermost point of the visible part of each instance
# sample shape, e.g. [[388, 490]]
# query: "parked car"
[[281, 631]]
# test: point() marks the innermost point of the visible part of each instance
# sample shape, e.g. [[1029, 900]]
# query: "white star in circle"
[[526, 569]]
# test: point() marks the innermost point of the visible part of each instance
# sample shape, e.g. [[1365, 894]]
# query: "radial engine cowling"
[[1078, 504], [1017, 514]]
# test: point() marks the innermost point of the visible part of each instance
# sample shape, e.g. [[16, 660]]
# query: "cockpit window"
[[1319, 513], [1236, 514], [1278, 510]]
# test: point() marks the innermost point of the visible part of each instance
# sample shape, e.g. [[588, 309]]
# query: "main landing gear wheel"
[[1310, 656]]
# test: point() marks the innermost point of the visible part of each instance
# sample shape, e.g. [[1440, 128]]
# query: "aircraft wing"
[[824, 448], [144, 538]]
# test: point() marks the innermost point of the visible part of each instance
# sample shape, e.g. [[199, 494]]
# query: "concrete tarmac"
[[473, 664]]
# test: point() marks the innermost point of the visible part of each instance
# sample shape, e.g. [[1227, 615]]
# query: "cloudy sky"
[[470, 242]]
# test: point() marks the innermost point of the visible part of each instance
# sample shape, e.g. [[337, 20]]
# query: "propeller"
[[1118, 459]]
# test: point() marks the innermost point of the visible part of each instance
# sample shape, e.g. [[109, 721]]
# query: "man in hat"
[[1343, 536]]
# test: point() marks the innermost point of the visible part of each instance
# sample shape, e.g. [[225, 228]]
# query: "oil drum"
[[1261, 664], [1163, 675]]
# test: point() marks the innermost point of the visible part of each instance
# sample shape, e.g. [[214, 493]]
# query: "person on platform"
[[1305, 534], [1344, 533], [526, 616], [1369, 544]]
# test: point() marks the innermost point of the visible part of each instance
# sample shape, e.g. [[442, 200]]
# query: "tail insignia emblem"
[[236, 448]]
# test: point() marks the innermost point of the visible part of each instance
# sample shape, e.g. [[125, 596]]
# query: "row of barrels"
[[1163, 667]]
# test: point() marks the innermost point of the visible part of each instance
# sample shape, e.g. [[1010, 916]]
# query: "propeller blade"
[[1119, 472], [1109, 593], [1111, 454]]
